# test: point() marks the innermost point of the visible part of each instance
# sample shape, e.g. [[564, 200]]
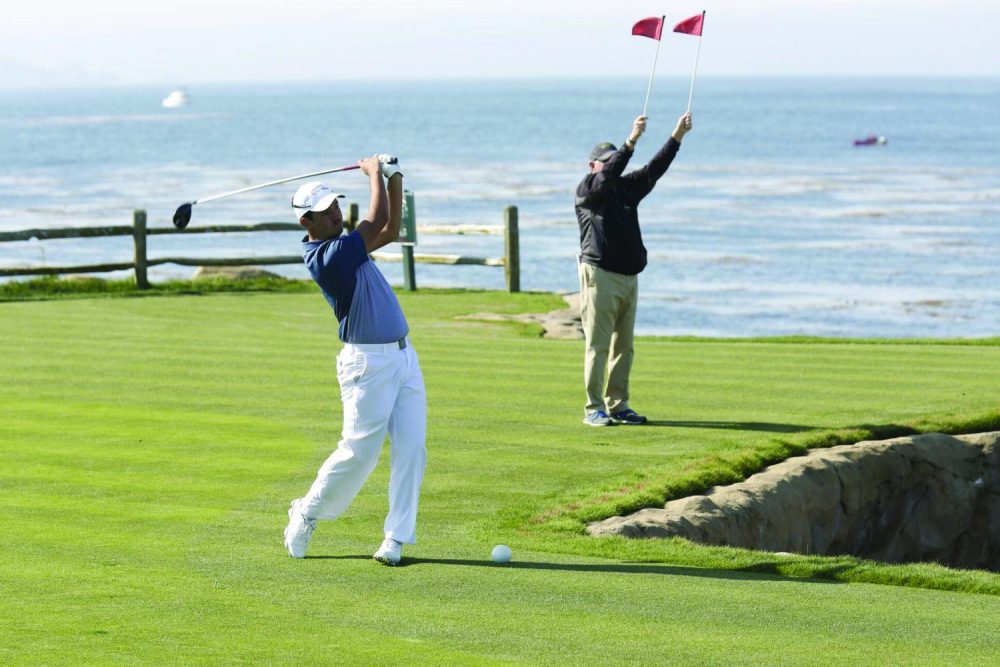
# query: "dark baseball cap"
[[602, 152]]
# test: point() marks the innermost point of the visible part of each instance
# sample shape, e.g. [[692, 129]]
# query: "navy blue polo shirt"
[[361, 298]]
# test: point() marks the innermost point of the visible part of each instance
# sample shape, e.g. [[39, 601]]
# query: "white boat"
[[176, 99]]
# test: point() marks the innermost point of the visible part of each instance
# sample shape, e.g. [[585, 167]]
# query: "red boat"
[[870, 140]]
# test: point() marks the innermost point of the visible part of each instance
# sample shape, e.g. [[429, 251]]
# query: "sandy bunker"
[[928, 497]]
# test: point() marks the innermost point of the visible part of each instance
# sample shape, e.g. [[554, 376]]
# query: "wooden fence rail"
[[141, 262]]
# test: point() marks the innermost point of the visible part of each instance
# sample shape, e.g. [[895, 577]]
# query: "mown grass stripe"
[[149, 448]]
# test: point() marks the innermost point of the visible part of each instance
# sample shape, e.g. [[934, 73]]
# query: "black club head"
[[182, 216]]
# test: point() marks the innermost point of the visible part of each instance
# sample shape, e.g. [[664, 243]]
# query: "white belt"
[[378, 348]]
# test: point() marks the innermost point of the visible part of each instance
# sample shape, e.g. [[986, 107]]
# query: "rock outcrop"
[[929, 497], [232, 272], [564, 323]]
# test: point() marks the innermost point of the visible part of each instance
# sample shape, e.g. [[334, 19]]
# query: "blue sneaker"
[[628, 417], [597, 418]]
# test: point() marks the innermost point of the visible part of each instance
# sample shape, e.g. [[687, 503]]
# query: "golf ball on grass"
[[501, 554]]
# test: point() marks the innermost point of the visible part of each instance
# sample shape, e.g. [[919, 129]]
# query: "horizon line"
[[93, 85]]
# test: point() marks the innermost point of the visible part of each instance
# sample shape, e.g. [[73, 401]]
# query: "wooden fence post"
[[512, 253], [352, 216], [139, 236], [410, 234]]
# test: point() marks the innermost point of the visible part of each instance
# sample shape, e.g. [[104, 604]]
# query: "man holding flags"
[[612, 253], [611, 257]]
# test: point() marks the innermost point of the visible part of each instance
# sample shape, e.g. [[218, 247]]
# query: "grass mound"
[[54, 287]]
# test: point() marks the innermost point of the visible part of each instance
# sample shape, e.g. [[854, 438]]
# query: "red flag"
[[691, 26], [651, 27]]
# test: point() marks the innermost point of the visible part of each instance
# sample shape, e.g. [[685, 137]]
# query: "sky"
[[56, 43]]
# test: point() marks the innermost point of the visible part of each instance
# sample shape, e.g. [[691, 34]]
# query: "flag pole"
[[653, 71], [696, 57]]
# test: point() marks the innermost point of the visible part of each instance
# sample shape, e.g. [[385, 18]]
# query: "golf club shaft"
[[278, 182]]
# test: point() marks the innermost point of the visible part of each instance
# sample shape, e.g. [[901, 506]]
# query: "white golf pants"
[[383, 392]]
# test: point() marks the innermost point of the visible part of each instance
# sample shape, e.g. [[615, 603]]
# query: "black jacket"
[[606, 205]]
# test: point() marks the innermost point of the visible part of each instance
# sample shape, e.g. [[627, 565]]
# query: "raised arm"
[[601, 173], [377, 228], [641, 181], [394, 181]]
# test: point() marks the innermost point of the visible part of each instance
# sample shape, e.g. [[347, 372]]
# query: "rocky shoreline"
[[562, 324]]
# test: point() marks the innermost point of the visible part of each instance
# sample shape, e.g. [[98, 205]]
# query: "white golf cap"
[[313, 196]]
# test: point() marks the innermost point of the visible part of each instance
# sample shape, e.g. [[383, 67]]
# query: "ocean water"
[[769, 222]]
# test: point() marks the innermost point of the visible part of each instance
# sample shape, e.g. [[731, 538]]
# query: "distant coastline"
[[770, 221]]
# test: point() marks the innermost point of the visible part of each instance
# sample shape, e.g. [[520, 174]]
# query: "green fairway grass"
[[149, 448]]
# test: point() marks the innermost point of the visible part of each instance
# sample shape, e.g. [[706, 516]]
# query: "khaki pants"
[[607, 308]]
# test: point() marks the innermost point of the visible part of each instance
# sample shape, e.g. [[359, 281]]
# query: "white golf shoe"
[[298, 531], [390, 552]]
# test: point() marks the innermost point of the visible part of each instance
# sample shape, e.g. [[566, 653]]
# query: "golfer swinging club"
[[611, 257], [381, 385]]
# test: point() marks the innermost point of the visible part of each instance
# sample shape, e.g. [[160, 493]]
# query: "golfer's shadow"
[[735, 426], [752, 572]]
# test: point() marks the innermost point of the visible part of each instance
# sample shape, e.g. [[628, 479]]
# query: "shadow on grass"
[[752, 572], [735, 426]]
